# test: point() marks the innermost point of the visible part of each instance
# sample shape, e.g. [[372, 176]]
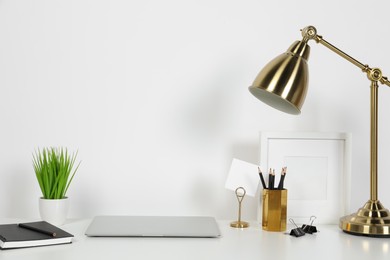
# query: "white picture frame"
[[318, 173]]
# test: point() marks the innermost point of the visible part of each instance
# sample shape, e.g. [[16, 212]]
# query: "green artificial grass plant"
[[53, 168]]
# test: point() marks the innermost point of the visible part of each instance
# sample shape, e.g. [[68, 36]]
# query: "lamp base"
[[239, 224], [371, 220]]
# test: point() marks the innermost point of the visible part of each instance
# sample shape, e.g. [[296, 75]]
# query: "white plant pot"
[[54, 211]]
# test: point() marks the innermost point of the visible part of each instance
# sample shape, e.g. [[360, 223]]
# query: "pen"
[[283, 175], [53, 234], [262, 178]]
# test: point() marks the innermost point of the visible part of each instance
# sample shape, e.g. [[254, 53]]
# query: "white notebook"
[[153, 226]]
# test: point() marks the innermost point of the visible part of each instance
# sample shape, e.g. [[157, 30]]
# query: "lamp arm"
[[373, 74]]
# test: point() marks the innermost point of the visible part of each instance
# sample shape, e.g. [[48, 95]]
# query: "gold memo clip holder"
[[274, 210], [240, 194]]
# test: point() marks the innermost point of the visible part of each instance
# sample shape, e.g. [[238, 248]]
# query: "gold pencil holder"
[[274, 210]]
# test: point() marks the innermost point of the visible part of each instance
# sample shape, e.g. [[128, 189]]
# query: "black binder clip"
[[296, 232], [310, 229]]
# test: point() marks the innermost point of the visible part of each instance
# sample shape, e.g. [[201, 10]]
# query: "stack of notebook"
[[32, 234]]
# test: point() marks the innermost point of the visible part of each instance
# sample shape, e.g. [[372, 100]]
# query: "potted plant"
[[54, 169]]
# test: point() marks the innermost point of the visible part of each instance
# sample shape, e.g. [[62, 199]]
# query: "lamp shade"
[[283, 82]]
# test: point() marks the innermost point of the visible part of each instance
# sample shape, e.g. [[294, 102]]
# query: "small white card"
[[243, 174]]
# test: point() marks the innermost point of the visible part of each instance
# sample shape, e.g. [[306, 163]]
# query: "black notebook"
[[32, 234]]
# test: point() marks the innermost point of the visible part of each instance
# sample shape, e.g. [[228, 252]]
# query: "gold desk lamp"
[[282, 84]]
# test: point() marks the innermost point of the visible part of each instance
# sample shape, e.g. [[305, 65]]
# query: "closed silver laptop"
[[153, 226]]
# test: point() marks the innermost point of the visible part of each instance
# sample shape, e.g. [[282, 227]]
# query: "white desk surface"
[[251, 243]]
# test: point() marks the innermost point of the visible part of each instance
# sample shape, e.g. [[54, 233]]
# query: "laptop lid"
[[153, 226]]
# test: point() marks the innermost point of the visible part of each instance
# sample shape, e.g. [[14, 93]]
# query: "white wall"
[[153, 94]]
